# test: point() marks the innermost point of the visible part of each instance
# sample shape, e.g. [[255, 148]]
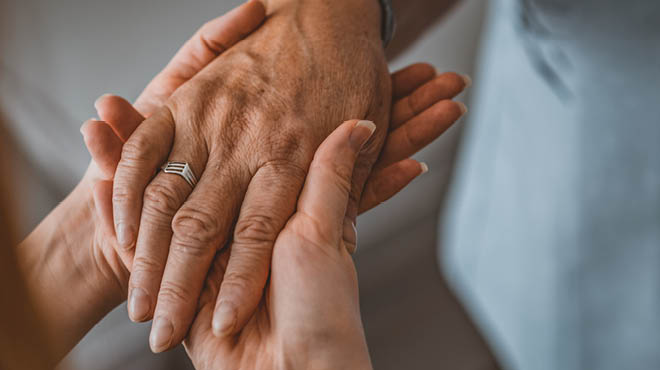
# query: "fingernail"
[[96, 102], [424, 166], [125, 235], [361, 133], [139, 305], [467, 80], [224, 319], [462, 107], [161, 335], [350, 235]]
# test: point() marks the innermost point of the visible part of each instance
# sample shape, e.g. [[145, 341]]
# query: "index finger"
[[211, 40]]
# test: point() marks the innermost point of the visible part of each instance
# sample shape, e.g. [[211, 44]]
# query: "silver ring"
[[182, 169]]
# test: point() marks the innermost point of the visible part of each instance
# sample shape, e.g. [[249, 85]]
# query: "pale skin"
[[248, 124], [73, 235]]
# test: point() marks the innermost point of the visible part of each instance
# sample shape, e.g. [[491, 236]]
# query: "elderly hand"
[[421, 112], [309, 315], [248, 126], [206, 44], [71, 264]]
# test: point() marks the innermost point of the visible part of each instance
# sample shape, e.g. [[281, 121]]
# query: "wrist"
[[342, 347], [343, 18], [69, 277]]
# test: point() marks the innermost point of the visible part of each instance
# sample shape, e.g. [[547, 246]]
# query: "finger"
[[420, 131], [103, 201], [444, 86], [326, 192], [141, 155], [200, 333], [384, 184], [119, 114], [162, 199], [207, 43], [103, 145], [269, 202], [410, 78], [200, 228]]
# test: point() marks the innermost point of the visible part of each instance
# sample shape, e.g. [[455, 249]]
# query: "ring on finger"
[[182, 169]]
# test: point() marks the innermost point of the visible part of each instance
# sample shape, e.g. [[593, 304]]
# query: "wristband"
[[388, 23]]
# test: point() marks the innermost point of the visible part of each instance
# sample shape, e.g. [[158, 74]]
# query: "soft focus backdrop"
[[60, 56]]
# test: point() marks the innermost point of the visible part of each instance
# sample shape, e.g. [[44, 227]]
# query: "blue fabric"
[[551, 236]]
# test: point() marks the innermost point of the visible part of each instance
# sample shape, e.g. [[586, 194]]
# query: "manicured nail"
[[161, 335], [362, 131], [467, 80], [125, 235], [350, 235], [424, 166], [462, 107], [224, 319], [96, 102], [138, 305]]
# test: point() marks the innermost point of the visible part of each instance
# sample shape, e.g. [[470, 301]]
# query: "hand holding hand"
[[309, 315], [420, 114]]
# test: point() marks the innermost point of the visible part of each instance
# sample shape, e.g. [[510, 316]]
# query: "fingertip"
[[99, 101], [467, 80], [462, 107], [84, 127], [161, 334], [225, 317], [259, 8], [360, 134], [424, 167], [139, 305]]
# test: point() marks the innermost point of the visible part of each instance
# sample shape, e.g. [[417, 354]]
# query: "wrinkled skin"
[[248, 124]]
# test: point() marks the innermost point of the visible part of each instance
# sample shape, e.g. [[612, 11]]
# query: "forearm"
[[413, 18], [71, 282]]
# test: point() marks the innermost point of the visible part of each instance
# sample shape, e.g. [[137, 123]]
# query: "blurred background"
[[541, 209]]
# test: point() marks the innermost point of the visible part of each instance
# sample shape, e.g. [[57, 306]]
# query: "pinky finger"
[[387, 182]]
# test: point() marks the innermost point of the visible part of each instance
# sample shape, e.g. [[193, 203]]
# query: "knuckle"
[[241, 281], [145, 265], [289, 145], [195, 230], [277, 168], [121, 195], [255, 229], [173, 292], [160, 199], [411, 140], [136, 148]]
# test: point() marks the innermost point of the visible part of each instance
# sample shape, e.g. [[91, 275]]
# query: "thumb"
[[325, 195]]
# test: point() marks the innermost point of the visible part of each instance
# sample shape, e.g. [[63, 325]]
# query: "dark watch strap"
[[388, 24]]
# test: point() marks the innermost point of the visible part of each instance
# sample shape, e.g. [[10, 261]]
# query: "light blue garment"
[[552, 231]]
